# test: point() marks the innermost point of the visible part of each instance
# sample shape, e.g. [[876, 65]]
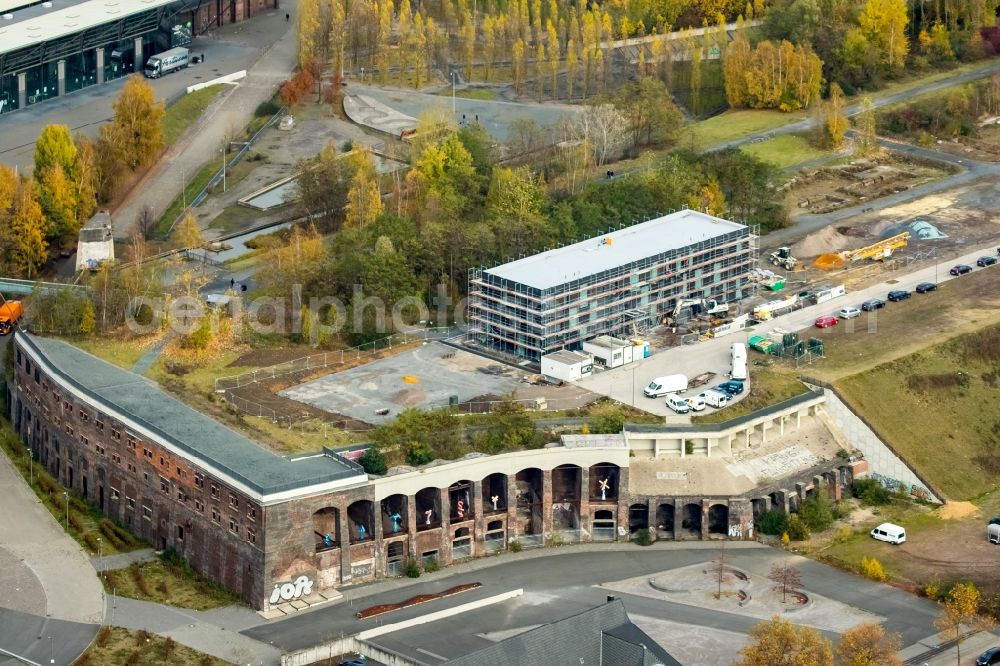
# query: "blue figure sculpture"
[[327, 540], [361, 532], [395, 518]]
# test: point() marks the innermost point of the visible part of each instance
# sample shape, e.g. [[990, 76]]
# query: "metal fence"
[[462, 552], [495, 542]]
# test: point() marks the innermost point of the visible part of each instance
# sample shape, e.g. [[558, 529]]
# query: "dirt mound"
[[828, 262], [957, 510], [824, 241], [409, 397]]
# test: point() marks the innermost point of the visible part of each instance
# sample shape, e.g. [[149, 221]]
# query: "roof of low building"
[[141, 401], [578, 639], [37, 24], [618, 248], [568, 356]]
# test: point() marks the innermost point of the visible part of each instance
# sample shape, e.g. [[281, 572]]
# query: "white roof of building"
[[618, 248], [37, 24]]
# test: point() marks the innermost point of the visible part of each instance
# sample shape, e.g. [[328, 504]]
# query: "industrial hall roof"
[[618, 248]]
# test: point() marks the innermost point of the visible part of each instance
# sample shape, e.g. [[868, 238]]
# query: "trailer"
[[566, 366], [701, 379], [828, 294], [611, 352], [166, 62]]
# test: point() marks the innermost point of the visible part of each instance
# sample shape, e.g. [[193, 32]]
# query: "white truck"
[[664, 385], [166, 62]]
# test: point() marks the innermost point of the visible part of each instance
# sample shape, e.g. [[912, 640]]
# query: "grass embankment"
[[168, 580], [786, 150], [485, 94], [184, 112], [124, 352], [191, 189], [736, 124], [940, 409], [82, 520], [768, 386], [115, 645]]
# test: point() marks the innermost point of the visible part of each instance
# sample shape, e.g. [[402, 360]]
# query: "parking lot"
[[625, 383]]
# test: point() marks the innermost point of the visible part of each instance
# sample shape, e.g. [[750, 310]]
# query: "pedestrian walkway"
[[203, 142], [123, 560]]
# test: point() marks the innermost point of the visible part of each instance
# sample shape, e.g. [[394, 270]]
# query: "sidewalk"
[[202, 143], [122, 560]]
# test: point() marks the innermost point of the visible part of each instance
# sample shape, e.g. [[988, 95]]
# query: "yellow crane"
[[878, 251]]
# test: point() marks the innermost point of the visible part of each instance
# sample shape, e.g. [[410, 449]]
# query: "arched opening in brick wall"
[[460, 499], [395, 558], [326, 529], [495, 537], [394, 515], [603, 482], [428, 503], [566, 497], [761, 505], [528, 496], [718, 519], [665, 521], [638, 518], [494, 493], [461, 544], [691, 520], [361, 521]]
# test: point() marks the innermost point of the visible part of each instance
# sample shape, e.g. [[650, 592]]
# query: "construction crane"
[[878, 251]]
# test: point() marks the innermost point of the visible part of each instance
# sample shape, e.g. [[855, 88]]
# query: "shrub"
[[556, 540], [772, 522], [142, 637], [796, 529], [688, 447], [162, 588], [167, 648], [266, 109], [872, 568], [516, 546], [932, 589], [135, 571], [103, 636], [373, 462], [870, 492], [817, 513], [607, 419], [411, 570], [843, 454], [133, 658], [431, 565], [643, 537]]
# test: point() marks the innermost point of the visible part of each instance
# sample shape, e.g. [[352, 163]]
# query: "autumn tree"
[[959, 613], [869, 645], [54, 147], [785, 578], [322, 186], [867, 143], [308, 29], [188, 233], [57, 197], [883, 23], [87, 178], [22, 233], [515, 200], [518, 65], [652, 116], [834, 120], [140, 118], [364, 201], [735, 66], [777, 642]]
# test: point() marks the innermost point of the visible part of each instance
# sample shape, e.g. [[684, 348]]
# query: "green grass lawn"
[[167, 581], [487, 94], [115, 645], [785, 151], [123, 352], [940, 409], [186, 110], [910, 83], [191, 189], [735, 124]]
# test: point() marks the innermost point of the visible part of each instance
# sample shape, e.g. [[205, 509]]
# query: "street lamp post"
[[100, 552], [66, 495], [452, 93], [362, 75], [31, 468], [223, 151]]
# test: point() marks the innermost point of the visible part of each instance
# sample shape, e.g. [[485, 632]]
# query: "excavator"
[[698, 306]]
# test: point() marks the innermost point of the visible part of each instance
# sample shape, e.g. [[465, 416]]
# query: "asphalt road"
[[561, 583], [44, 640]]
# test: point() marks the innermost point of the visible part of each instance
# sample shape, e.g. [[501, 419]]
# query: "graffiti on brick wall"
[[740, 531], [288, 591]]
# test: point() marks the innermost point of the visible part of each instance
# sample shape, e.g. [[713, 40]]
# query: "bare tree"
[[786, 578], [145, 221], [604, 127], [719, 567]]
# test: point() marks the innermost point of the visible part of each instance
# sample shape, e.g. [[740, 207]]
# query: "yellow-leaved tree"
[[883, 23], [364, 201], [777, 642]]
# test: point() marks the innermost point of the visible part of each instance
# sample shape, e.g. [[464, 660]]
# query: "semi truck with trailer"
[[166, 62]]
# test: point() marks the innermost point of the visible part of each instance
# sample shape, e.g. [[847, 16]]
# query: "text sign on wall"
[[302, 586]]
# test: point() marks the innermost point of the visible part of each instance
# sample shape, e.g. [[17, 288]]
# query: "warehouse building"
[[52, 48], [617, 284]]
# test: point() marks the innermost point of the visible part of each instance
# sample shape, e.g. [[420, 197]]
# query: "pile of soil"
[[409, 397], [828, 262], [824, 241], [957, 510]]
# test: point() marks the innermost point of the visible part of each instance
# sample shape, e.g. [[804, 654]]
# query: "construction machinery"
[[698, 306], [783, 257], [876, 251]]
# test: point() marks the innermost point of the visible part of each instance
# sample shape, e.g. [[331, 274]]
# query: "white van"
[[993, 533], [664, 385], [889, 532], [738, 362], [714, 398], [678, 404]]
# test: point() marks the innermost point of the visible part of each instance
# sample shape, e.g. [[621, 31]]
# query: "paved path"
[[203, 143], [49, 587], [123, 560]]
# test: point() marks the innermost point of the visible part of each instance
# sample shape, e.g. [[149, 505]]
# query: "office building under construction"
[[620, 283]]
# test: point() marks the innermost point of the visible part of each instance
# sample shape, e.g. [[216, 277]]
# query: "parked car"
[[888, 532], [898, 295], [678, 404], [730, 388], [986, 261], [960, 269], [990, 657], [873, 304], [849, 313], [360, 661], [826, 321], [925, 287], [696, 403]]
